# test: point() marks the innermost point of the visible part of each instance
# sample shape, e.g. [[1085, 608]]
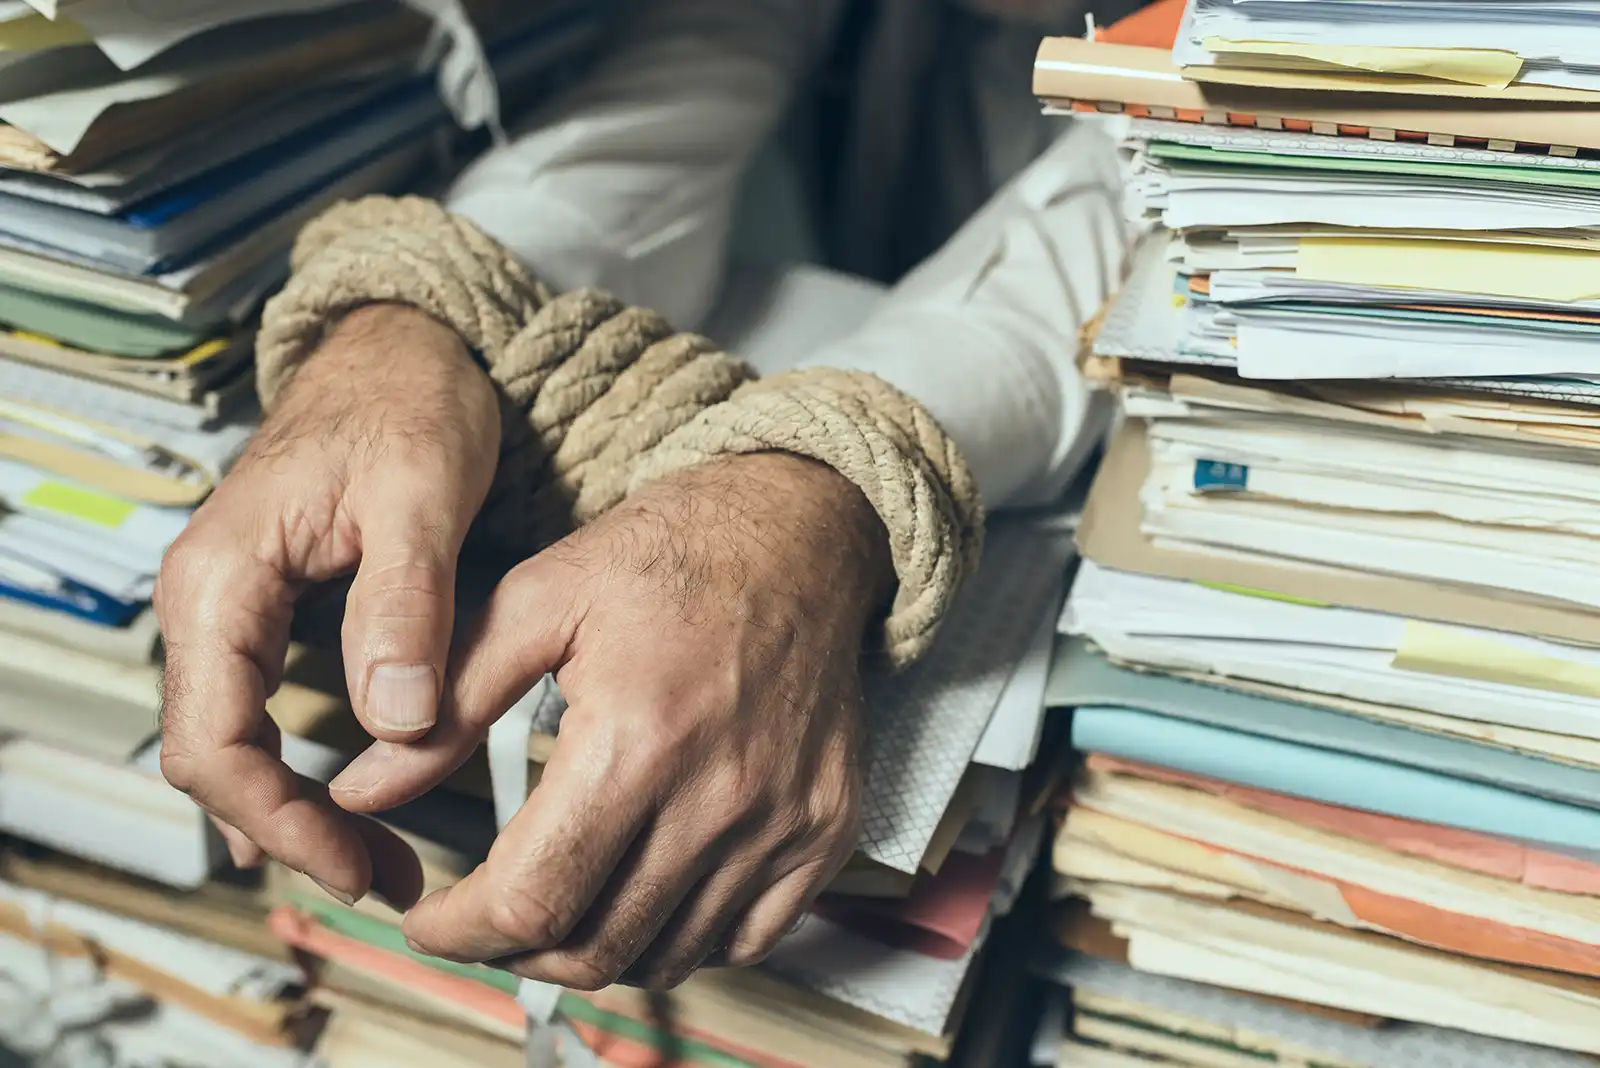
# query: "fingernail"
[[365, 773], [403, 697], [338, 895]]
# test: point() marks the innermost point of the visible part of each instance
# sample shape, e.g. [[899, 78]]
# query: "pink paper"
[[1469, 850], [940, 919]]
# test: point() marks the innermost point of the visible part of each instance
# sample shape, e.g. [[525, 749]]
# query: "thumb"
[[400, 613], [525, 633]]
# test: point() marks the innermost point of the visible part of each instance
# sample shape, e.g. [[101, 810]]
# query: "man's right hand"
[[378, 457]]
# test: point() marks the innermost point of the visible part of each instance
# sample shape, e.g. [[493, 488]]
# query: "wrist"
[[828, 511], [392, 358], [383, 330]]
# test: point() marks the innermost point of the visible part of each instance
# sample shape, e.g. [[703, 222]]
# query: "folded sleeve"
[[628, 182], [984, 333]]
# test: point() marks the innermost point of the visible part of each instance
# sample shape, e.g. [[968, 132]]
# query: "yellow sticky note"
[[1527, 271], [35, 33], [1435, 650], [90, 506], [1490, 68]]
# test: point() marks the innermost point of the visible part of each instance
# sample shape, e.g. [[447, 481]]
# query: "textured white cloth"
[[630, 183]]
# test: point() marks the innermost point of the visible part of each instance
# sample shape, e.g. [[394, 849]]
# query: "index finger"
[[224, 618]]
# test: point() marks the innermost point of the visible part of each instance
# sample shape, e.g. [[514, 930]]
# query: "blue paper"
[[1333, 778], [77, 600]]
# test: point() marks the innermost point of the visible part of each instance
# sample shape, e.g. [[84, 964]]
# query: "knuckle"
[[407, 589], [178, 767], [674, 967], [183, 568], [737, 799], [522, 918], [833, 806]]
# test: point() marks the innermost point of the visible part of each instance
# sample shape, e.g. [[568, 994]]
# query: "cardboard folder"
[[1069, 73]]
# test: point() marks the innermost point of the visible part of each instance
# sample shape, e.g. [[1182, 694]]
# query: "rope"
[[601, 399]]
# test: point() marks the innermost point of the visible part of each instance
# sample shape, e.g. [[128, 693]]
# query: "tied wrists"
[[601, 399]]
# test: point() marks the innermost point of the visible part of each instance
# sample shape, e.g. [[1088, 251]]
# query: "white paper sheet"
[[133, 32], [1344, 652]]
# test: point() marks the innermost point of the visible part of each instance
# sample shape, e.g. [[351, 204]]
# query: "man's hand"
[[704, 789], [376, 461]]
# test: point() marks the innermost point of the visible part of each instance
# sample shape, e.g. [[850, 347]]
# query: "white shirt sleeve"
[[629, 181], [984, 333]]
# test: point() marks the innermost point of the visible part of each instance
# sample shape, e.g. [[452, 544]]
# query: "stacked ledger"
[[1331, 649]]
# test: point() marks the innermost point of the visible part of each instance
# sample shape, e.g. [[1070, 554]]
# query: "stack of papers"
[[1330, 651], [1552, 45], [156, 162], [133, 983]]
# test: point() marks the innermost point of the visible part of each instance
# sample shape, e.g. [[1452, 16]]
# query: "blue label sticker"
[[1219, 476]]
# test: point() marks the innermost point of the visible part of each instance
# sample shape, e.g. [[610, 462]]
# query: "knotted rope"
[[600, 399]]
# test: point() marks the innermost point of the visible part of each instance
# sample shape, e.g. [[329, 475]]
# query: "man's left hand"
[[704, 788]]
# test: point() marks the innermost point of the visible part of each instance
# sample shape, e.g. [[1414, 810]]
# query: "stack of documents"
[[106, 971], [1549, 46], [155, 165], [156, 161], [1331, 648], [128, 276]]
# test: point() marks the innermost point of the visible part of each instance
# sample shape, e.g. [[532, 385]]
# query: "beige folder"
[[1071, 73], [1109, 535]]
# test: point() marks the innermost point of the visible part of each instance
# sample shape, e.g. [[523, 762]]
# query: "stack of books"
[[156, 162], [1330, 652]]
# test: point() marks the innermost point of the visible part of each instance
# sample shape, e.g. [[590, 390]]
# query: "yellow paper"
[[1436, 650], [1490, 68], [1265, 595], [1453, 266], [35, 33], [91, 506]]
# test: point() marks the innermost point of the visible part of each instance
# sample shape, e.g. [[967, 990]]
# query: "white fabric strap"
[[551, 1042]]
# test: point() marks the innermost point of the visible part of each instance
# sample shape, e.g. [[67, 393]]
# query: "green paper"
[[96, 329], [1473, 172]]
